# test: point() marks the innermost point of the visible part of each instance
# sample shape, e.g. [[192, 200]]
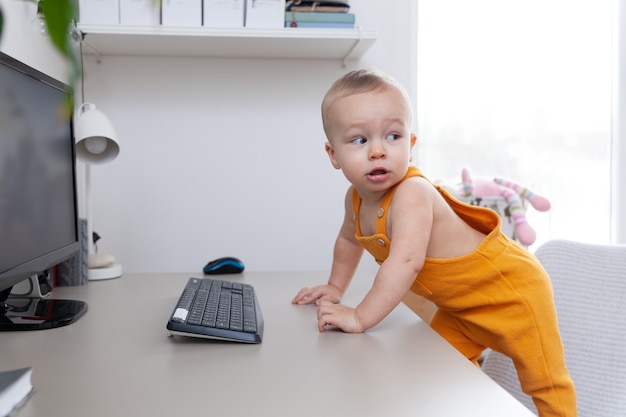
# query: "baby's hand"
[[318, 293], [330, 314]]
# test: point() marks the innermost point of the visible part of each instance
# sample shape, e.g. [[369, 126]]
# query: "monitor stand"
[[17, 314]]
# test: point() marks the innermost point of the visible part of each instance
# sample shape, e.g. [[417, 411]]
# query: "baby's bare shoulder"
[[417, 188]]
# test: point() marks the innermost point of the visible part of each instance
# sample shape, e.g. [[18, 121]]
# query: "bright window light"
[[521, 90]]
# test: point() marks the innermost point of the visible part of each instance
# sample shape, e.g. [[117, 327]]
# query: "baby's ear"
[[331, 154]]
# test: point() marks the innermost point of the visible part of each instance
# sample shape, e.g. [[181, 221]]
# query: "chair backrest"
[[589, 284]]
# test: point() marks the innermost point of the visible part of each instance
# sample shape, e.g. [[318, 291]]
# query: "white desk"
[[117, 360]]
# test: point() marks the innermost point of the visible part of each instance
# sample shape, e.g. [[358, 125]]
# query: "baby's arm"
[[346, 256], [409, 226]]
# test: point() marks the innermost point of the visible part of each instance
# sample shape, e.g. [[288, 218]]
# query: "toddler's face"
[[370, 139]]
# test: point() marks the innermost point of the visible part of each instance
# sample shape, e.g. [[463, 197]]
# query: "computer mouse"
[[225, 265]]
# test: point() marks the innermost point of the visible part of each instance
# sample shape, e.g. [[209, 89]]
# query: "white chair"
[[589, 284]]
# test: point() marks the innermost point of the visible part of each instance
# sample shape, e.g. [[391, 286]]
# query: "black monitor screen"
[[38, 210]]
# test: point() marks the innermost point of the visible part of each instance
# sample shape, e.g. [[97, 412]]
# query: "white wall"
[[23, 40], [218, 156], [618, 148], [226, 156]]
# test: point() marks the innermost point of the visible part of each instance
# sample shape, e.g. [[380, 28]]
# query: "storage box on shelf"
[[181, 13], [265, 13], [223, 14], [99, 12], [140, 12]]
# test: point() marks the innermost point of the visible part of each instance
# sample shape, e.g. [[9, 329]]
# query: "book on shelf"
[[317, 6], [15, 389], [319, 20], [327, 25], [319, 17]]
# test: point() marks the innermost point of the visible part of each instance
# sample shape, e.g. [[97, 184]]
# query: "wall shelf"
[[300, 43]]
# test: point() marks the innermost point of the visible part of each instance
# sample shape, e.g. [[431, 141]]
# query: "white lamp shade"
[[96, 139]]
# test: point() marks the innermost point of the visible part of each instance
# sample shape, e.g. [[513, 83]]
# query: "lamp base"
[[108, 272]]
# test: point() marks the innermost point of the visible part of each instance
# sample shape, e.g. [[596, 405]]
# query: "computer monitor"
[[38, 198]]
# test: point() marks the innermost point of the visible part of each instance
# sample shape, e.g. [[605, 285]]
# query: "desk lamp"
[[96, 143]]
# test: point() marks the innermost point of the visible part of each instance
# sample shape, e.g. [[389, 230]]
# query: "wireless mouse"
[[225, 265]]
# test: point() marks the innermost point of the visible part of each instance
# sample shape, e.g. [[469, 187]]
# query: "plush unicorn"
[[513, 193]]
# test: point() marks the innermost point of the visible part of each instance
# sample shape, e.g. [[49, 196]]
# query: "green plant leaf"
[[1, 22], [59, 16]]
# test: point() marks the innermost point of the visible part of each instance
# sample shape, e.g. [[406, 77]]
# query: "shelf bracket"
[[356, 43], [94, 50]]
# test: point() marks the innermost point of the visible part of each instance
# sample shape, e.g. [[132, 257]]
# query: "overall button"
[[381, 242], [381, 212]]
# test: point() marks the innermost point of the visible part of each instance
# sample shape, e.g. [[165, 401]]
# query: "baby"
[[489, 291]]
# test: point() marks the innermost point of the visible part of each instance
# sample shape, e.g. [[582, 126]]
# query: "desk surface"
[[117, 360]]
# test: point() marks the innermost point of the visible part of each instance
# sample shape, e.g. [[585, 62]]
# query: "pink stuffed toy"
[[512, 192]]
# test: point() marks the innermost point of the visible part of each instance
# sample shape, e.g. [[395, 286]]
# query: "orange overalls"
[[499, 297]]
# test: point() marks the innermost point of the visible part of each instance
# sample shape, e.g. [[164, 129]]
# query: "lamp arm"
[[88, 207]]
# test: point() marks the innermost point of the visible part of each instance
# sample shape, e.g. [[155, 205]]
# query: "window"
[[521, 90]]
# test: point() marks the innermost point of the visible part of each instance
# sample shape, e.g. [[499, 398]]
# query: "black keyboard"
[[217, 309]]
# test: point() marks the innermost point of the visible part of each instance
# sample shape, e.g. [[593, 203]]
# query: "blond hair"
[[359, 82]]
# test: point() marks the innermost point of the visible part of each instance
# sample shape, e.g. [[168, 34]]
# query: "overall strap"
[[381, 221]]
